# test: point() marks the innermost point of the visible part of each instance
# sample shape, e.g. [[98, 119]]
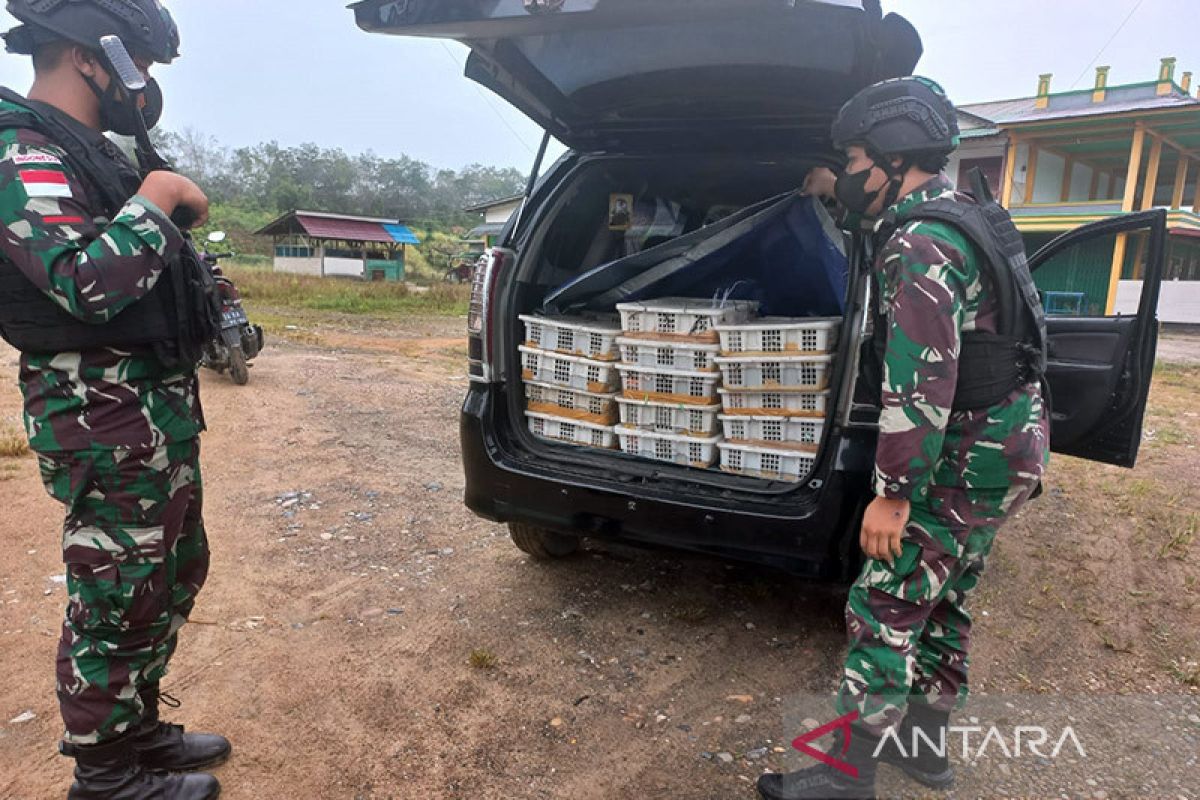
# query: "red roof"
[[351, 230]]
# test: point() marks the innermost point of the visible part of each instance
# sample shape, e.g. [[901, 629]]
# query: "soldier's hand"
[[883, 528], [820, 182], [171, 191]]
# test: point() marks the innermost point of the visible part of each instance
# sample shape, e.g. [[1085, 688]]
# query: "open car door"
[[1100, 367]]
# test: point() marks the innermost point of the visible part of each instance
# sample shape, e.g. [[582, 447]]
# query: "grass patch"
[[13, 443], [482, 658], [261, 287], [1181, 539], [1167, 434], [1186, 671], [1185, 376]]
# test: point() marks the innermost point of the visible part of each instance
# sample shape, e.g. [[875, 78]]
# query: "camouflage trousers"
[[907, 622], [136, 555]]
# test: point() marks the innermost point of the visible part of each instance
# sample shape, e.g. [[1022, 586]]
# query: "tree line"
[[253, 184]]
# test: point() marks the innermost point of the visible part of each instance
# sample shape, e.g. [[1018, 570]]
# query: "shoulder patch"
[[37, 158], [45, 183]]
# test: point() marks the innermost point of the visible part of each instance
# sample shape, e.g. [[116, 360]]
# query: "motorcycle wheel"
[[237, 367]]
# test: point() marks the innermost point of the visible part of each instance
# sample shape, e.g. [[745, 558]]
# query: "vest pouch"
[[990, 367], [33, 323]]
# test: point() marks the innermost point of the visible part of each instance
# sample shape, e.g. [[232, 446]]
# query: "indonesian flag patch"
[[45, 183]]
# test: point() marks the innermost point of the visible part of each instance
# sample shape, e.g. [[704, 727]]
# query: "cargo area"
[[686, 317]]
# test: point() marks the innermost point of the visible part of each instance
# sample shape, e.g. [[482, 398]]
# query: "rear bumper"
[[811, 541]]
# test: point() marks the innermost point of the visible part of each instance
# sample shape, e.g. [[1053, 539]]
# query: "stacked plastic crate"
[[568, 365], [776, 374], [670, 378]]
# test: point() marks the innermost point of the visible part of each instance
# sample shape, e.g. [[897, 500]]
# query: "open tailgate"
[[635, 74]]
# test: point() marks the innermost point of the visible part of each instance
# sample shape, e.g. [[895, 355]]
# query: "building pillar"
[[1181, 176], [1131, 187], [1010, 171], [1068, 172], [1031, 174], [1196, 199], [1139, 258], [1150, 188]]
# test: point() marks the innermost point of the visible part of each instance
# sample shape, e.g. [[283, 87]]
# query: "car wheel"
[[542, 544]]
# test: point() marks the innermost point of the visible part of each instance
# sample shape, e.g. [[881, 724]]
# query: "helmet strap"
[[105, 96], [895, 177], [120, 111]]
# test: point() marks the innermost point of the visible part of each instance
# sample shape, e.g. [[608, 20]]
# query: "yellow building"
[[1068, 159]]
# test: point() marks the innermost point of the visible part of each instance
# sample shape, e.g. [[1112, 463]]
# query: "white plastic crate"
[[577, 336], [544, 398], [652, 383], [791, 432], [690, 356], [788, 335], [571, 431], [683, 317], [765, 462], [690, 451], [799, 373], [541, 366], [669, 417], [770, 403]]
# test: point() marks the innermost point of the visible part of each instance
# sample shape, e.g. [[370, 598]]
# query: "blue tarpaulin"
[[785, 253], [402, 234]]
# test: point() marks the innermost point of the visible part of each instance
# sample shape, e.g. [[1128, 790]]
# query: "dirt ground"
[[370, 638]]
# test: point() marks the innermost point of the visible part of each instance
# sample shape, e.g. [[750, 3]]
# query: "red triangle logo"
[[801, 743]]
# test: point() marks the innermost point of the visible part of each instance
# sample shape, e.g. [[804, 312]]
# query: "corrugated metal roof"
[[503, 201], [1119, 99], [979, 133], [322, 225], [347, 229], [489, 229]]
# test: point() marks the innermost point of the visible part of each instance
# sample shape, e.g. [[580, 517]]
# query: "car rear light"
[[481, 317]]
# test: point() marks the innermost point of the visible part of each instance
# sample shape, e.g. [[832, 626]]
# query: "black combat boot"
[[825, 782], [165, 747], [110, 771], [921, 761]]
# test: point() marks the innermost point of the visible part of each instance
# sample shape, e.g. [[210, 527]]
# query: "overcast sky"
[[299, 70]]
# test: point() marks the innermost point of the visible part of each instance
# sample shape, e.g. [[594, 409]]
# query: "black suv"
[[711, 104]]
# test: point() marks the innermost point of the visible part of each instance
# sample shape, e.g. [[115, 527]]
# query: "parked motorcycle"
[[238, 341]]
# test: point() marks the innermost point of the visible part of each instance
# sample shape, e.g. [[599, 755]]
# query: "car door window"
[[1102, 332]]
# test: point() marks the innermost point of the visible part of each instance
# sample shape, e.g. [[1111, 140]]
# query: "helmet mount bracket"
[[122, 65]]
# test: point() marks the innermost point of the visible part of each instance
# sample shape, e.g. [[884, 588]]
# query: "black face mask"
[[118, 107], [851, 191]]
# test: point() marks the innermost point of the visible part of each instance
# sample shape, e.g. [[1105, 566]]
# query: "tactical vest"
[[174, 319], [991, 366]]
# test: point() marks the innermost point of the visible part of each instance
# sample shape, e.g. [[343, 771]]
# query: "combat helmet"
[[144, 26], [900, 117]]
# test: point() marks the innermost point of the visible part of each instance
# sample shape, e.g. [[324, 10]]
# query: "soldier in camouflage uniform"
[[115, 430], [945, 479]]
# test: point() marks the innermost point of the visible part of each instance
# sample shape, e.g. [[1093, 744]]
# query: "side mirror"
[[216, 237]]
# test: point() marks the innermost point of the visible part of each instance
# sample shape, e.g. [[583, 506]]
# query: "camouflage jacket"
[[931, 290], [52, 230]]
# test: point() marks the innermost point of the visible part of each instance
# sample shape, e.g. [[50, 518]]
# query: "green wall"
[[1084, 268], [393, 270]]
